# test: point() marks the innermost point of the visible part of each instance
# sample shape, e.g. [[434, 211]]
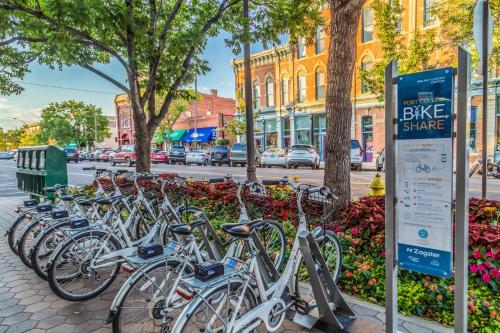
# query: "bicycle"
[[231, 303], [151, 295]]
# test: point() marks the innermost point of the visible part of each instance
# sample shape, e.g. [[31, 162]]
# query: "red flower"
[[486, 278], [487, 265], [473, 268], [476, 255], [480, 268], [496, 273], [354, 231]]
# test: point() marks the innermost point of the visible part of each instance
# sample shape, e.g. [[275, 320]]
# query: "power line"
[[66, 88]]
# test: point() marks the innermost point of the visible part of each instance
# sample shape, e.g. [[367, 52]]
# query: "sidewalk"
[[28, 305]]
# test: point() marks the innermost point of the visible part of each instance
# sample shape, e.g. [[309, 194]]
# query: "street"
[[360, 180]]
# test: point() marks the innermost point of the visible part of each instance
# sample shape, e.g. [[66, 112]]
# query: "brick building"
[[289, 88], [212, 113]]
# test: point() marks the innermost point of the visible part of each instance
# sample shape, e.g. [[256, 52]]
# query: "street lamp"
[[24, 122]]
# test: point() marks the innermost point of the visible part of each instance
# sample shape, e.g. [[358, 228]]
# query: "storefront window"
[[472, 129], [319, 126], [258, 131], [367, 138], [303, 130], [270, 133], [286, 132]]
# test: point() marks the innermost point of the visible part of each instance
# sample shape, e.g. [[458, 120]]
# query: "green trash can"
[[39, 167]]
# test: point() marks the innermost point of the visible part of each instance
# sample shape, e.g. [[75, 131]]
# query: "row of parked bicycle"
[[185, 276]]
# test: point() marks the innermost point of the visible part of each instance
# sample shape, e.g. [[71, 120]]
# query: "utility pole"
[[95, 130], [251, 168], [485, 96], [196, 113]]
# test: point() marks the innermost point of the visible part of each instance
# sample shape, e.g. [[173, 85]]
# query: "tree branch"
[[81, 34], [105, 76], [22, 39]]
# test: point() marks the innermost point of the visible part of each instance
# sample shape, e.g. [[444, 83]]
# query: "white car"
[[273, 156], [356, 155], [200, 157], [302, 155]]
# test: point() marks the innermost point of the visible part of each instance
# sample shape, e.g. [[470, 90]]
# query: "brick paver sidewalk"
[[28, 305]]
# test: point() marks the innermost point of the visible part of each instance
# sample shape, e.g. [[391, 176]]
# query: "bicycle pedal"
[[301, 306]]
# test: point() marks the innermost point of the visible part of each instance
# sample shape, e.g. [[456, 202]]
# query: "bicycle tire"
[[54, 281], [15, 227], [189, 312], [39, 267], [280, 259], [23, 247], [152, 305]]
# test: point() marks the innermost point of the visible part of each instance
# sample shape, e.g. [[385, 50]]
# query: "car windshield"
[[70, 150], [354, 144], [220, 148], [177, 148], [301, 147], [239, 147]]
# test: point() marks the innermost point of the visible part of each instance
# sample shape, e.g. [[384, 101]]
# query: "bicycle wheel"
[[212, 311], [13, 233], [44, 245], [146, 300], [273, 238], [331, 250], [27, 238], [70, 274]]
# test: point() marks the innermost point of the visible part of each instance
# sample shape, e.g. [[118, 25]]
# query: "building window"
[[473, 129], [429, 18], [367, 25], [256, 94], [320, 83], [301, 86], [367, 138], [303, 130], [320, 41], [284, 90], [269, 92], [271, 135], [188, 114], [301, 48], [366, 64], [286, 132]]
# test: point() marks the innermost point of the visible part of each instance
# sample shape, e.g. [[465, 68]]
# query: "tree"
[[175, 110], [29, 137], [158, 43], [413, 52], [72, 121], [9, 139], [343, 27]]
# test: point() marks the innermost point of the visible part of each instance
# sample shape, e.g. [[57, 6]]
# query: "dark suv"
[[238, 155], [220, 155], [178, 154], [71, 154]]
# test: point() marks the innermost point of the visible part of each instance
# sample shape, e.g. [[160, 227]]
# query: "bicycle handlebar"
[[271, 182], [216, 180]]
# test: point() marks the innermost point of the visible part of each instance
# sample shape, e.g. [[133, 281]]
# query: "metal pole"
[[95, 130], [485, 95], [462, 193], [196, 113], [251, 169], [391, 267]]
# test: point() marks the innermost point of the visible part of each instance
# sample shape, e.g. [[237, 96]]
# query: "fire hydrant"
[[377, 186]]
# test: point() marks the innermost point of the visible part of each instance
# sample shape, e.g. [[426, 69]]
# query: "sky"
[[92, 89]]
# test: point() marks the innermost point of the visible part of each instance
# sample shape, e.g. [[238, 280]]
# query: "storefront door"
[[367, 138]]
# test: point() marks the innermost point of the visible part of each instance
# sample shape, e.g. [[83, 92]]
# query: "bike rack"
[[213, 245], [334, 312]]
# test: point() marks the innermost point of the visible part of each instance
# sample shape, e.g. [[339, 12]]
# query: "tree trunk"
[[143, 137], [341, 60]]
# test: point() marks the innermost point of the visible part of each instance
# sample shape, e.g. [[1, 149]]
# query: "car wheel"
[[112, 162], [220, 164], [206, 162], [128, 162], [269, 166], [295, 166]]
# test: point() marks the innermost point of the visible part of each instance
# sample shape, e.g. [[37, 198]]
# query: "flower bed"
[[361, 231]]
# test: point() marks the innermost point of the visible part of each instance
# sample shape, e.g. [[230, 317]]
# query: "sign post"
[[425, 171]]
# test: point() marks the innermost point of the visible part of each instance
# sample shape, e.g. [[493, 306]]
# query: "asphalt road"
[[360, 180]]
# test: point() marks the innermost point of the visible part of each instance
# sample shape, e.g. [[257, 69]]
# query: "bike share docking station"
[[332, 313]]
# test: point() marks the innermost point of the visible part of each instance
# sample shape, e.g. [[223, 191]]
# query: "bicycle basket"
[[317, 207], [175, 188]]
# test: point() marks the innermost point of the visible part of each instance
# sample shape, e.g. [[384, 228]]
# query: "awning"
[[176, 135], [204, 134], [158, 139]]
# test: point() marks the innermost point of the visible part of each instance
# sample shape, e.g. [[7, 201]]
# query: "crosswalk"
[[8, 186]]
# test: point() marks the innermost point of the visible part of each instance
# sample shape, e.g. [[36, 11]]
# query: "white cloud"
[[9, 111]]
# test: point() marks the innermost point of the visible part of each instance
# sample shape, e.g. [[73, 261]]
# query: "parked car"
[[380, 161], [238, 155], [124, 154], [84, 155], [200, 157], [302, 155], [220, 155], [71, 154], [356, 155], [160, 157], [178, 154], [273, 156], [106, 155], [5, 155]]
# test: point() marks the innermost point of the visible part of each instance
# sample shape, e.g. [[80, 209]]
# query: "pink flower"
[[473, 268], [496, 273], [486, 278], [486, 304], [489, 254], [477, 255], [487, 265], [480, 268], [451, 287], [354, 231]]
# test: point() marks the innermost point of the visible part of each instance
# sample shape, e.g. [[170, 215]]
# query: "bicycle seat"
[[108, 201], [68, 197], [52, 189], [86, 202], [241, 230], [185, 229]]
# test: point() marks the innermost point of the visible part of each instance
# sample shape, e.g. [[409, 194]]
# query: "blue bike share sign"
[[424, 171]]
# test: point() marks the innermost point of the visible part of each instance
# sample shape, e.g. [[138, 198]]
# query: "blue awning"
[[205, 134]]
